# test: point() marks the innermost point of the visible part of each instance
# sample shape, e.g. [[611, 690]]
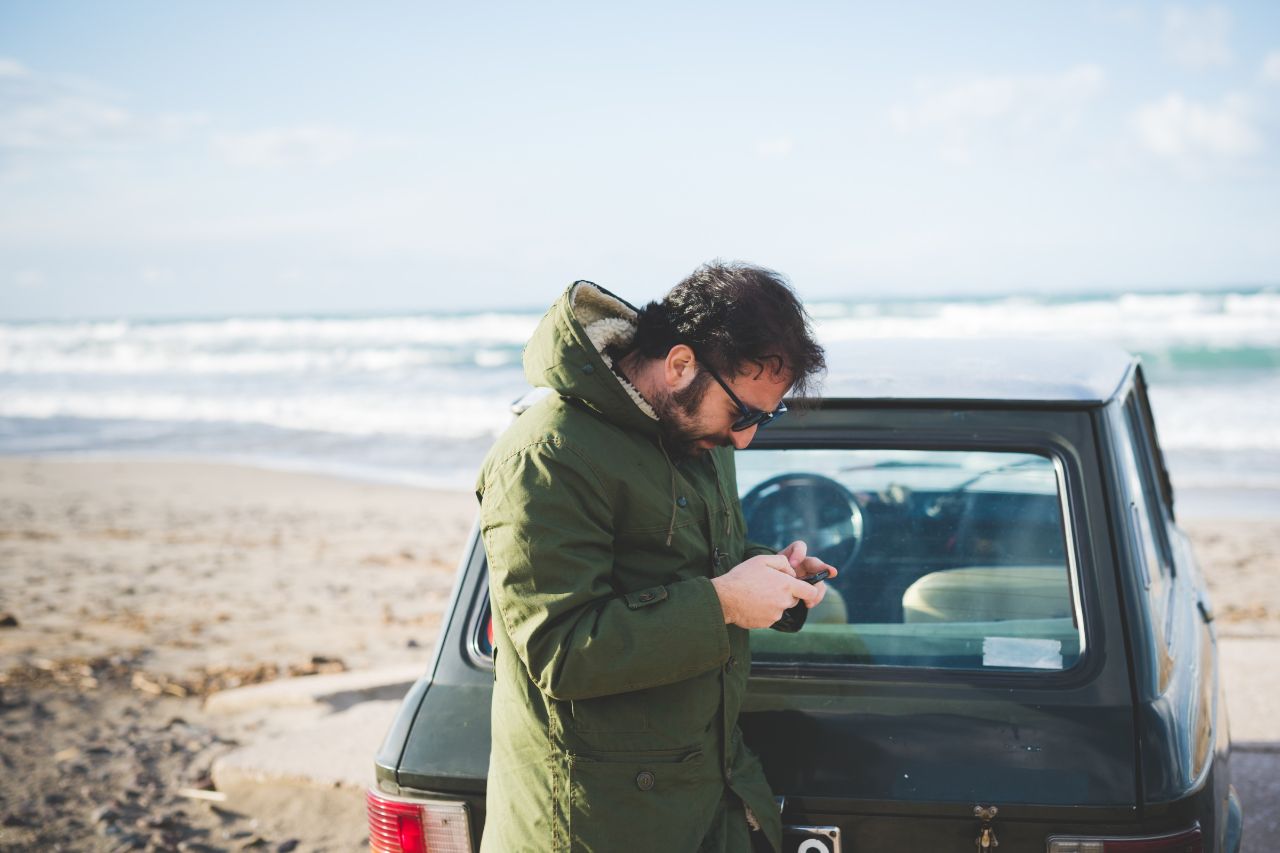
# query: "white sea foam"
[[261, 346], [442, 416], [128, 357], [1239, 416], [467, 329], [1145, 321]]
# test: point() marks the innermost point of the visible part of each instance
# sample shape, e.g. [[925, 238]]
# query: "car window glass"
[[1142, 522], [1145, 418], [1142, 454], [952, 559]]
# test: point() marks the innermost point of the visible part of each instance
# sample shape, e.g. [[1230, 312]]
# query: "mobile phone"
[[793, 619]]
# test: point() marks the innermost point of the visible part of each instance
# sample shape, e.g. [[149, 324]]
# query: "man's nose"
[[743, 438]]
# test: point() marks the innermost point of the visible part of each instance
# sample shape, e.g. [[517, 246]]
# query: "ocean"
[[418, 398]]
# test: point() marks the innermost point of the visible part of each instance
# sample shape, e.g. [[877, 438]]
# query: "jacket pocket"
[[615, 714], [640, 799]]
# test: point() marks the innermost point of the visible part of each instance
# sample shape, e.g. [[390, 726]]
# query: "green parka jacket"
[[618, 683]]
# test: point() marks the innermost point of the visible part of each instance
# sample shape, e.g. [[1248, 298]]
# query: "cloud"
[[69, 121], [65, 123], [1198, 38], [310, 145], [47, 113], [12, 68], [1027, 103], [29, 279], [776, 148], [1271, 67], [157, 275], [1194, 135]]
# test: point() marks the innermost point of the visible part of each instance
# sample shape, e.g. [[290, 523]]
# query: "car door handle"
[[1206, 612]]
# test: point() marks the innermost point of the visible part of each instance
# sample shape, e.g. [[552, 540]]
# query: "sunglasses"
[[750, 417]]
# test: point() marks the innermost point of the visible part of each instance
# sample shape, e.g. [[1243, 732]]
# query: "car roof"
[[1008, 369]]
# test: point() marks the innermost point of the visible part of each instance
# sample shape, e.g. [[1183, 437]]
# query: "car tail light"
[[399, 825], [1189, 841]]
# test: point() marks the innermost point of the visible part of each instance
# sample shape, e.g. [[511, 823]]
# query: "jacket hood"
[[567, 354]]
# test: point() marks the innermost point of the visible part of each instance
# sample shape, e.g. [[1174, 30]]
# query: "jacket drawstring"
[[671, 526], [724, 502]]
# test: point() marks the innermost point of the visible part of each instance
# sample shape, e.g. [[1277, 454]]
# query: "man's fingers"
[[796, 552], [812, 565], [806, 592], [779, 563]]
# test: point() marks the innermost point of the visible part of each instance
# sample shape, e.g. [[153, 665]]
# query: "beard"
[[677, 421]]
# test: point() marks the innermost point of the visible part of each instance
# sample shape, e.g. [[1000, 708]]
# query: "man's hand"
[[754, 593], [804, 565]]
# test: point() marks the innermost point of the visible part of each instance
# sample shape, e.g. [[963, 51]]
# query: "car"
[[1018, 648]]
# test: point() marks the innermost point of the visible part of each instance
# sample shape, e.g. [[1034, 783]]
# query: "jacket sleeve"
[[547, 523]]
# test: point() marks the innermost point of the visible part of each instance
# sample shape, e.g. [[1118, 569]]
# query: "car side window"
[[1145, 460], [1145, 423], [1143, 519], [948, 559]]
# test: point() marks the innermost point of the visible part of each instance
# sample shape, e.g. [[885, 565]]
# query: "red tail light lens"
[[409, 829], [400, 825], [1189, 841]]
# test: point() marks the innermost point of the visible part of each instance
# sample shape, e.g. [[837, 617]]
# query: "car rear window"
[[948, 559]]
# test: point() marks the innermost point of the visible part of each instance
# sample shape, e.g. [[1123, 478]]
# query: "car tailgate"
[[907, 764]]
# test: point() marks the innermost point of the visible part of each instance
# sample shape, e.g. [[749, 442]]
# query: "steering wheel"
[[810, 507]]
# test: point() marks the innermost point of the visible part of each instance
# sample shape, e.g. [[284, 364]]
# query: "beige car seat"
[[989, 594]]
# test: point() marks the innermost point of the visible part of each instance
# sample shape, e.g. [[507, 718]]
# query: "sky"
[[179, 159]]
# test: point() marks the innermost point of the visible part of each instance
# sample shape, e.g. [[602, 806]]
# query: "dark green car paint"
[[1131, 741]]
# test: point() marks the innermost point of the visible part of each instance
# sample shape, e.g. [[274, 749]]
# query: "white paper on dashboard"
[[1022, 652]]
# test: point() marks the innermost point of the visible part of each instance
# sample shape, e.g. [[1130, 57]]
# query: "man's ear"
[[680, 367]]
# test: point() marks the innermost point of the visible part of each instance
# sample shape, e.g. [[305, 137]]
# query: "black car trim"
[[800, 404], [960, 809], [480, 614]]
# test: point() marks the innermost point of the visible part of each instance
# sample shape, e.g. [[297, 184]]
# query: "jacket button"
[[682, 501], [646, 596], [588, 368], [644, 780]]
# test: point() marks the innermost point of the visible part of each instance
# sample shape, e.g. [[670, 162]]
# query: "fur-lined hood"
[[567, 354]]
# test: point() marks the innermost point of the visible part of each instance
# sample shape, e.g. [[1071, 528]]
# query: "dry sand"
[[1241, 564], [139, 586]]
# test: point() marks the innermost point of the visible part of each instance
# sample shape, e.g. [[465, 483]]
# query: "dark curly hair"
[[735, 316]]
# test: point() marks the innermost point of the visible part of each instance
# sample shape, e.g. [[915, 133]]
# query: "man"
[[621, 581]]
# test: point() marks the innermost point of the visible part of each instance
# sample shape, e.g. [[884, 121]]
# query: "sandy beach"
[[133, 588]]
